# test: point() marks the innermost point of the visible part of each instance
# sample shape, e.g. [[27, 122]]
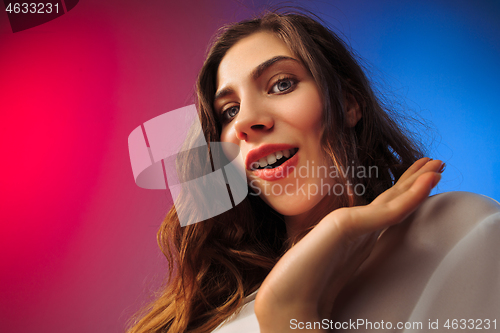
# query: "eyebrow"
[[256, 73]]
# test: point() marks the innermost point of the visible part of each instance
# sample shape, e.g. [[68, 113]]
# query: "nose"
[[252, 121]]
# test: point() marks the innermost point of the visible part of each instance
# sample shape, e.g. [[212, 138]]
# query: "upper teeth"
[[273, 157]]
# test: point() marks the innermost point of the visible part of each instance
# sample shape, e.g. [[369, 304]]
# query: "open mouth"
[[274, 160]]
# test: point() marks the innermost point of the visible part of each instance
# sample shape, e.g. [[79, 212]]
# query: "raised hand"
[[305, 282]]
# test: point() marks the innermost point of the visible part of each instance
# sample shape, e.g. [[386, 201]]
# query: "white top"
[[244, 322], [441, 266]]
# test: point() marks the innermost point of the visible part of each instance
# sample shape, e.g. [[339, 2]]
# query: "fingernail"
[[443, 166]]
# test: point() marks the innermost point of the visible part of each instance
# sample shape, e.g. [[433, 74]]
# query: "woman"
[[288, 92]]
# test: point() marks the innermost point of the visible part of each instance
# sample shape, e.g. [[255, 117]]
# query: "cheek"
[[228, 135], [306, 110]]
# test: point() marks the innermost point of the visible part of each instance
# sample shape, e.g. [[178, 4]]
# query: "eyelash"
[[224, 114], [284, 79]]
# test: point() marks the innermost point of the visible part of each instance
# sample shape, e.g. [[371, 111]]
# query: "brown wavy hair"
[[215, 264]]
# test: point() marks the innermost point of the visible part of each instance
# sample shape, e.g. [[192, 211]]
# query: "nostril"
[[258, 127]]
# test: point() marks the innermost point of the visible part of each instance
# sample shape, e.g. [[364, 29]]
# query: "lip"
[[270, 174], [257, 153]]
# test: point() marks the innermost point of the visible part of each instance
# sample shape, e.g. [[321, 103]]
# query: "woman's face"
[[270, 106]]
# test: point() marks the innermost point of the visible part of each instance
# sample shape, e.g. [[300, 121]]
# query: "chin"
[[292, 205]]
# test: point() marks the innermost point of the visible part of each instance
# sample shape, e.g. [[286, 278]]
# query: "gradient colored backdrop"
[[77, 236]]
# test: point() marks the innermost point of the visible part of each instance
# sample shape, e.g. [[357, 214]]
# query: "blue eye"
[[230, 113], [283, 85]]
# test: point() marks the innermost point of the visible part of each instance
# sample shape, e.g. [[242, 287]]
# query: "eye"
[[283, 85], [229, 113]]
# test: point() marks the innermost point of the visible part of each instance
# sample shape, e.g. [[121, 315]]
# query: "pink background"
[[77, 244], [77, 237]]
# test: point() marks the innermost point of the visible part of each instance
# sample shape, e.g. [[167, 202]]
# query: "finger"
[[377, 217], [414, 168], [430, 166], [406, 203], [408, 178], [395, 189]]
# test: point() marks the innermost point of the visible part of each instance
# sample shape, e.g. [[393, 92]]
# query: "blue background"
[[440, 62]]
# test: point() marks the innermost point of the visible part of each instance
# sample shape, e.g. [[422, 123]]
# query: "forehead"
[[247, 54]]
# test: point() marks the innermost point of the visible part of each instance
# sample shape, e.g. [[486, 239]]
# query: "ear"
[[352, 112]]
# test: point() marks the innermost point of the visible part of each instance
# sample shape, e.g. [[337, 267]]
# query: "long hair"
[[215, 264]]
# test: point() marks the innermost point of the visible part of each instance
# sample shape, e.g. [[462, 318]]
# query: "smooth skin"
[[282, 105]]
